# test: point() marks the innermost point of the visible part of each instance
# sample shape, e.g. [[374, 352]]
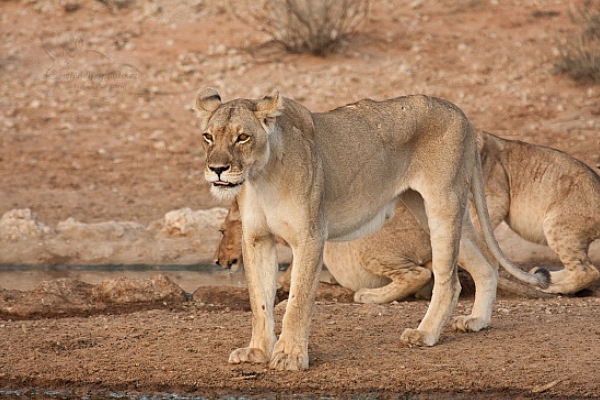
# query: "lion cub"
[[547, 197]]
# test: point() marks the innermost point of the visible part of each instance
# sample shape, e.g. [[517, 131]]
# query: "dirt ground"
[[103, 346], [95, 124]]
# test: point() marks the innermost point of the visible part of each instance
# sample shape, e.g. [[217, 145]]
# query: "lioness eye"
[[208, 137], [243, 138]]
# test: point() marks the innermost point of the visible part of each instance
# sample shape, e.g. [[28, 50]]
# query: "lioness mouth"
[[227, 184]]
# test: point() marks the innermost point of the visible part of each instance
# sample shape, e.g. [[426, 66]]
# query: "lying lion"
[[390, 264], [394, 261], [311, 177], [387, 265]]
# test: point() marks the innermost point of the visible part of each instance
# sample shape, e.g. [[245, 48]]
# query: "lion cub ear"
[[268, 109], [207, 101]]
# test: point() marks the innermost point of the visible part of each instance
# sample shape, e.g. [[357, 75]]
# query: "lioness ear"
[[207, 101], [268, 109]]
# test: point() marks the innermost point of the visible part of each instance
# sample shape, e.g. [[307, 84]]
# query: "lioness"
[[310, 177], [547, 197]]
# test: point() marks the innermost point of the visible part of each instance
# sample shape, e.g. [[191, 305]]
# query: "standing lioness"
[[337, 176]]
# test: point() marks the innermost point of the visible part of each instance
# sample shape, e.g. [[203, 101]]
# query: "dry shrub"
[[117, 4], [318, 27], [580, 55]]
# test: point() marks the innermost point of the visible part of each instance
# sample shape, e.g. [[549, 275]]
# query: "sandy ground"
[[95, 125], [534, 349]]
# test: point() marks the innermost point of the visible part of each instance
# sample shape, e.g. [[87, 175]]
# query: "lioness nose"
[[218, 169]]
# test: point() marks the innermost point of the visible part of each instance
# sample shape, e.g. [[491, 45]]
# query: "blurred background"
[[95, 96]]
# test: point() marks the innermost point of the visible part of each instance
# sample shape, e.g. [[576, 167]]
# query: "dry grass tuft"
[[580, 55], [318, 27]]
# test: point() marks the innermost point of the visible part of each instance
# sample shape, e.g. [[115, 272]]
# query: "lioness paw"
[[289, 362], [248, 354], [465, 323], [415, 337]]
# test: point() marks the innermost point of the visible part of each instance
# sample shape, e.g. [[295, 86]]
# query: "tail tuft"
[[543, 277]]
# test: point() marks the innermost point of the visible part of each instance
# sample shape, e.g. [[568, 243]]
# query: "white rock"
[[109, 230], [185, 221], [21, 224]]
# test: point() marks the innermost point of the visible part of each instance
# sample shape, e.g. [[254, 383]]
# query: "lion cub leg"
[[472, 259], [407, 278], [578, 272]]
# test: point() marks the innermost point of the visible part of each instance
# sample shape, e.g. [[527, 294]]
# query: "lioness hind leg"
[[578, 272], [406, 280], [472, 259], [444, 215]]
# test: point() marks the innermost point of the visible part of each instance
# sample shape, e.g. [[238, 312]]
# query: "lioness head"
[[235, 138]]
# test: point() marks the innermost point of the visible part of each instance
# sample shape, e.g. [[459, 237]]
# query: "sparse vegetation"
[[317, 27], [117, 4], [580, 55]]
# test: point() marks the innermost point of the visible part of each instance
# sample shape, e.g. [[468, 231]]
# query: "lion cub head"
[[235, 138]]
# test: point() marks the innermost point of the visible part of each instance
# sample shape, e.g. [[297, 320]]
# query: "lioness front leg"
[[260, 260], [291, 350]]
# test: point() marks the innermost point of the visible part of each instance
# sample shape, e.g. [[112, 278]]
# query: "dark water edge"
[[68, 395], [499, 394], [189, 277], [204, 267]]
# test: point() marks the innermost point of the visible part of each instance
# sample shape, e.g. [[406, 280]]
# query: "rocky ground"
[[96, 130]]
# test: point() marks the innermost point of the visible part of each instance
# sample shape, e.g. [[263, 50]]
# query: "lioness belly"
[[357, 224]]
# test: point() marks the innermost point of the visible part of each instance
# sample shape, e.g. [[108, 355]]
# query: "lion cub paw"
[[415, 337], [289, 362], [567, 281], [368, 296], [465, 323], [248, 354]]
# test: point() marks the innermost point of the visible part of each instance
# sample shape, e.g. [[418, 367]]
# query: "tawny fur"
[[547, 197]]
